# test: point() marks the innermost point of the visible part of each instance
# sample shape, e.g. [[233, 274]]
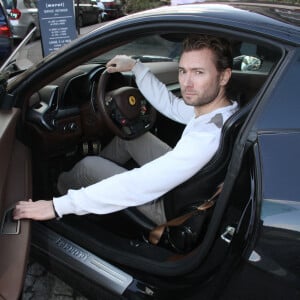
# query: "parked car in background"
[[113, 8], [102, 12], [88, 12], [6, 35], [67, 107], [23, 15]]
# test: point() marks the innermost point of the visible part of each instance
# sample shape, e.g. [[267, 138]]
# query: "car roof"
[[279, 21], [289, 14]]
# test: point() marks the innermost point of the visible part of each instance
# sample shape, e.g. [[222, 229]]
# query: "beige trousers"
[[93, 169]]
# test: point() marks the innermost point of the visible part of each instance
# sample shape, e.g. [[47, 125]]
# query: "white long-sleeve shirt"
[[197, 145]]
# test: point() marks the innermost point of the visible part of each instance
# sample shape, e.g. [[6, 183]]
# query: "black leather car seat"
[[203, 184]]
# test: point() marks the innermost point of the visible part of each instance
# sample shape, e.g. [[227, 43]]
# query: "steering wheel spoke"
[[125, 110]]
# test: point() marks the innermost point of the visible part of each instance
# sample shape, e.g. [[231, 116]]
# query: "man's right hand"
[[120, 63], [39, 210]]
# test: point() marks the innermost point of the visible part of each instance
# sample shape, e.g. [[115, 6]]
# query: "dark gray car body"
[[259, 202]]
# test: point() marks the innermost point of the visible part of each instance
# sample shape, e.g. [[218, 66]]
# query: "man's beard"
[[203, 100]]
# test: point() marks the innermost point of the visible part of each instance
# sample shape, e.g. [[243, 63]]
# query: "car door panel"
[[15, 184]]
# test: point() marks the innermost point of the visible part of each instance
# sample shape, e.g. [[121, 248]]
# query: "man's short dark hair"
[[220, 47]]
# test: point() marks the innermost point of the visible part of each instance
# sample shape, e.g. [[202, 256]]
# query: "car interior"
[[73, 116]]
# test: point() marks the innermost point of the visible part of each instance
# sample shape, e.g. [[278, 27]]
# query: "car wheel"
[[104, 16], [34, 36]]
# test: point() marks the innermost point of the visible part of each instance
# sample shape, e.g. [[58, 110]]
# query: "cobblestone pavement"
[[42, 285]]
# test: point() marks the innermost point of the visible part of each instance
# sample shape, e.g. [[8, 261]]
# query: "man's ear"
[[225, 76]]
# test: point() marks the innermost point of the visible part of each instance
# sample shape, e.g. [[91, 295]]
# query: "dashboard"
[[64, 113]]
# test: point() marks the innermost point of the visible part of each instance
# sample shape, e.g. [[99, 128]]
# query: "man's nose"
[[187, 80]]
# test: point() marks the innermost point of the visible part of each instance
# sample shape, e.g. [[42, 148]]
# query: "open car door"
[[15, 185]]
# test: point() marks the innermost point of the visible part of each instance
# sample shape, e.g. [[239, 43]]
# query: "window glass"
[[147, 49], [9, 4], [247, 56]]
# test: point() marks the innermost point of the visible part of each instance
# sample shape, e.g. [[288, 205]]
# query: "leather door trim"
[[15, 184]]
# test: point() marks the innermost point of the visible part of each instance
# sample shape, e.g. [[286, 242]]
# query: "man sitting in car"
[[101, 185]]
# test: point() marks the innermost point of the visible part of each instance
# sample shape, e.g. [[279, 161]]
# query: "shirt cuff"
[[57, 217], [60, 205], [139, 69]]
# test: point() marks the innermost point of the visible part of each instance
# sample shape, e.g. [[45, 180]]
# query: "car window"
[[248, 56], [9, 4], [2, 17], [30, 3], [267, 55], [150, 48]]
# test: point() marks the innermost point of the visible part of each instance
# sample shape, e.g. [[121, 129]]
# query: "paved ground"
[[32, 52], [40, 284]]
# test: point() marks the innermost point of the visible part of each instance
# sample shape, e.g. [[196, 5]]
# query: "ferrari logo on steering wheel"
[[132, 100]]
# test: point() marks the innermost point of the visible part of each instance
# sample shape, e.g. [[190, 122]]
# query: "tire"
[[99, 19], [34, 36]]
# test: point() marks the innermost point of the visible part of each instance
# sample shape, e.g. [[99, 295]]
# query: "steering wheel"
[[125, 110]]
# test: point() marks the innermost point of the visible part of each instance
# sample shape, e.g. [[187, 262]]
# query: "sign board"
[[57, 24]]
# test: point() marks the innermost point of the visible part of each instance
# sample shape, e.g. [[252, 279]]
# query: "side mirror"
[[247, 63]]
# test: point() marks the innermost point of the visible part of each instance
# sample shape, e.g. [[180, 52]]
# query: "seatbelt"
[[156, 234]]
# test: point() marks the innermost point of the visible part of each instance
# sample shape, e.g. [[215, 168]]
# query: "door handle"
[[8, 224]]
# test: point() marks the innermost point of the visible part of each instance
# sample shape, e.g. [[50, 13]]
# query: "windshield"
[[147, 49]]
